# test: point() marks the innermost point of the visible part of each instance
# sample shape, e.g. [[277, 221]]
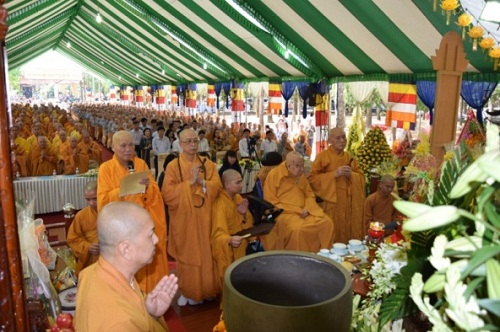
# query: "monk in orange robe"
[[338, 180], [82, 234], [109, 297], [60, 142], [230, 215], [88, 146], [303, 225], [190, 188], [43, 159], [20, 149], [379, 205], [73, 159], [111, 173]]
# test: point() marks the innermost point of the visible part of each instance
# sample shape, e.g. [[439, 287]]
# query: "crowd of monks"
[[322, 205]]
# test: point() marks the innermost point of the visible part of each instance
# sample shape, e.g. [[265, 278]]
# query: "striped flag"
[[402, 110], [174, 96], [237, 95], [211, 95], [191, 96], [275, 98]]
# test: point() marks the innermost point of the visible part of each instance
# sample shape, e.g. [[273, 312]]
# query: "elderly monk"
[[109, 297], [190, 188], [73, 159], [90, 147], [82, 234], [378, 206], [230, 215], [339, 181], [43, 159], [108, 190], [303, 225]]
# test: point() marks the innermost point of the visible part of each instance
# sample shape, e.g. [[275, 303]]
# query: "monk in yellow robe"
[[338, 180], [109, 297], [43, 159], [88, 146], [190, 188], [303, 225], [82, 234], [20, 149], [73, 159], [379, 205], [230, 215], [108, 190], [60, 142]]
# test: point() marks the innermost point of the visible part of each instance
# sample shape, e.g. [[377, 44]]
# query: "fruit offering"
[[64, 323], [354, 138], [373, 151]]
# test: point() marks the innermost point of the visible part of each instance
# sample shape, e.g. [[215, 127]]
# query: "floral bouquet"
[[473, 135], [247, 164], [90, 173]]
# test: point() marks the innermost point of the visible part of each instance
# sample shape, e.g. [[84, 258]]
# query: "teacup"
[[355, 245], [324, 252], [339, 249]]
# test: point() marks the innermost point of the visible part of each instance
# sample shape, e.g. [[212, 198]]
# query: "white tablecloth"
[[52, 192], [249, 179]]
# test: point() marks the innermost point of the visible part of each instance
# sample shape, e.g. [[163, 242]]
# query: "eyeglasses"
[[191, 141]]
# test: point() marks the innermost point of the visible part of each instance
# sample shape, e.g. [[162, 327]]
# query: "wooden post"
[[450, 64], [14, 316]]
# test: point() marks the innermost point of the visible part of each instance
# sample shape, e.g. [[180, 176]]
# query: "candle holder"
[[375, 237]]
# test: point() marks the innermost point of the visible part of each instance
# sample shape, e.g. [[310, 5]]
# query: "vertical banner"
[[402, 106], [211, 95], [237, 101], [112, 92], [191, 96], [160, 97], [124, 95], [139, 96], [275, 98], [322, 113], [174, 98]]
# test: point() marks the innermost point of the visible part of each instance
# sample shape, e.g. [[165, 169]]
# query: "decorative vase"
[[287, 291]]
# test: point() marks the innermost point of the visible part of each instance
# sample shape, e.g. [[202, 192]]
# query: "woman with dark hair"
[[146, 146], [230, 161]]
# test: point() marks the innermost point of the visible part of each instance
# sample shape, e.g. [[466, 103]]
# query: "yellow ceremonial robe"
[[81, 234], [293, 195], [343, 199], [106, 301], [226, 221], [190, 226], [91, 149], [108, 188], [72, 161], [42, 165], [380, 208]]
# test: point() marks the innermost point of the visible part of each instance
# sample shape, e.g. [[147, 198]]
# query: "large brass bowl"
[[287, 291]]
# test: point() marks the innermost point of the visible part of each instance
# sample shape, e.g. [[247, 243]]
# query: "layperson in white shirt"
[[161, 144], [203, 145], [136, 133], [269, 144], [244, 144]]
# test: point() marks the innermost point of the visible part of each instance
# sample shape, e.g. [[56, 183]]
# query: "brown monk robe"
[[303, 225], [379, 205], [90, 147], [111, 173], [74, 159], [339, 181], [43, 159]]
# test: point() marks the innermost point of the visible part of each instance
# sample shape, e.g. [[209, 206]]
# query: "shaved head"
[[91, 186], [120, 136], [293, 157], [187, 133], [229, 176]]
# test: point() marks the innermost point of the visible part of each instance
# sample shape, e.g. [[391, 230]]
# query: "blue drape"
[[178, 90], [226, 86], [477, 94], [287, 89], [426, 91], [218, 89], [304, 93], [153, 90]]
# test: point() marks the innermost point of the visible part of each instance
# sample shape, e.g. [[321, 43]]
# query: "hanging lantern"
[[475, 33], [464, 21], [487, 43], [494, 53], [448, 6]]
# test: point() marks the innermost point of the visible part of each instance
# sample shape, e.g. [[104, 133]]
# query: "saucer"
[[355, 248]]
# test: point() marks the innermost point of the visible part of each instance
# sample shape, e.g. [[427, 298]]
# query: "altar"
[[52, 192]]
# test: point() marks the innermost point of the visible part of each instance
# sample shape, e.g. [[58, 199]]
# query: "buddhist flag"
[[237, 96], [160, 95], [275, 98], [112, 92], [191, 96], [211, 95], [124, 93], [139, 94], [402, 110], [174, 97]]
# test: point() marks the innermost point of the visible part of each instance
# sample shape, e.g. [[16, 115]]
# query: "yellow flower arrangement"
[[448, 6], [464, 21], [494, 53]]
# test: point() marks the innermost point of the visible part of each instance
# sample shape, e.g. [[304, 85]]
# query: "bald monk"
[[21, 154], [108, 188], [73, 159], [88, 146], [190, 188], [43, 159], [338, 180], [379, 205], [230, 215], [82, 234], [109, 297], [60, 142], [303, 225]]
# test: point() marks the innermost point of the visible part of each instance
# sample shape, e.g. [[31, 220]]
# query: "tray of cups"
[[355, 246]]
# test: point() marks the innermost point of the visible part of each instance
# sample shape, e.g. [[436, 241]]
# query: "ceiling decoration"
[[168, 42]]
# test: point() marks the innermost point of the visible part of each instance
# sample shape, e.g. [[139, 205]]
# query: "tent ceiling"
[[173, 41]]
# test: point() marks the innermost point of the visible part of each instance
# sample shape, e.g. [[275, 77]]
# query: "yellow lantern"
[[464, 21], [448, 6], [494, 53], [475, 32], [487, 43]]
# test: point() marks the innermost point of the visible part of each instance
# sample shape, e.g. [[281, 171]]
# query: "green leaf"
[[493, 278], [484, 197], [435, 217], [492, 306], [490, 167], [411, 209], [435, 283], [471, 287], [492, 214], [479, 257]]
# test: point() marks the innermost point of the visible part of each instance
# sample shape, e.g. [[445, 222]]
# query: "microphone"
[[130, 165]]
